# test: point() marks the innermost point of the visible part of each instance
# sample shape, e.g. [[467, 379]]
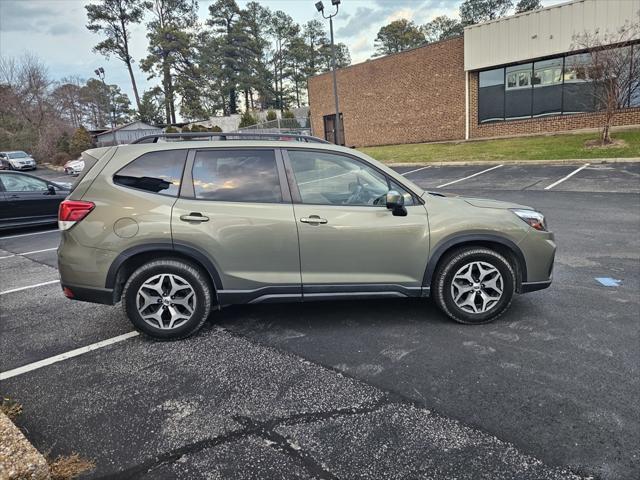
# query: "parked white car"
[[17, 160], [74, 167]]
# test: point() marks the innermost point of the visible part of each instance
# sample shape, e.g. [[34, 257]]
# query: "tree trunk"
[[133, 85], [168, 93], [246, 100]]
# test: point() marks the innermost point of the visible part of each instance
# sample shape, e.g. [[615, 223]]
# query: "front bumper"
[[29, 166], [527, 287]]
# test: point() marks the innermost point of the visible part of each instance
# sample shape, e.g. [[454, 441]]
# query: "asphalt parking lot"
[[370, 389]]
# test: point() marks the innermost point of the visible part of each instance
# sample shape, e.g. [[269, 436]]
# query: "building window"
[[634, 94], [547, 87], [578, 93], [517, 100], [491, 96], [556, 86]]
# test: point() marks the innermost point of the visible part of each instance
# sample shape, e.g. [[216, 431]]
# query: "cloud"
[[363, 16], [362, 44], [34, 16]]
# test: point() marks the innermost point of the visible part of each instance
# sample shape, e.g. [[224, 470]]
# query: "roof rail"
[[230, 136]]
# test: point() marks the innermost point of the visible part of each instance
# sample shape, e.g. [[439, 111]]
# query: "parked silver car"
[[17, 160]]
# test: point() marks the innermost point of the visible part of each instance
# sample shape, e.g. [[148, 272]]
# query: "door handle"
[[314, 220], [194, 217]]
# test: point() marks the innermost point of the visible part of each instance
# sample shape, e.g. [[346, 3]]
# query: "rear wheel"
[[167, 299], [474, 285]]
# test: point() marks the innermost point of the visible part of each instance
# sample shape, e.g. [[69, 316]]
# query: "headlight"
[[533, 218]]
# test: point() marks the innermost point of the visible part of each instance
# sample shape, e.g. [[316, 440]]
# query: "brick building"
[[512, 76]]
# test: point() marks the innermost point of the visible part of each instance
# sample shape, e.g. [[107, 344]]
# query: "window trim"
[[113, 177], [295, 191], [17, 174], [187, 192]]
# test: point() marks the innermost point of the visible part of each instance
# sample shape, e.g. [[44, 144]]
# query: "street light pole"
[[337, 123], [112, 114]]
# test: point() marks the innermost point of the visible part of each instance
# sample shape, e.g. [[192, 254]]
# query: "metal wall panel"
[[542, 33]]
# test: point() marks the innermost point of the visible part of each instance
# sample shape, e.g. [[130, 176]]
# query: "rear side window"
[[157, 172], [236, 176]]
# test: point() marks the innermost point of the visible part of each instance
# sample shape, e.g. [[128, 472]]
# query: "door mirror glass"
[[395, 203]]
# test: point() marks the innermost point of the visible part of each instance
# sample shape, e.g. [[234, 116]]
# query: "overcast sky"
[[55, 31]]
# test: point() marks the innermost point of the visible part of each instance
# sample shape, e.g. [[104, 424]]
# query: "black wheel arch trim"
[[456, 240], [170, 247]]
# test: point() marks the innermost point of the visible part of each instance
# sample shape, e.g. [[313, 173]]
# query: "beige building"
[[511, 76]]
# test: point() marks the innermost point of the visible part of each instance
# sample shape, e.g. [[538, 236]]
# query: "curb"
[[516, 162], [18, 458], [53, 167]]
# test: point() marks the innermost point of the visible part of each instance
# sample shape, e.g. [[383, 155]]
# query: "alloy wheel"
[[166, 301], [477, 287]]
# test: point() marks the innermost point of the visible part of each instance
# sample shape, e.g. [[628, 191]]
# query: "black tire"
[[452, 263], [192, 275]]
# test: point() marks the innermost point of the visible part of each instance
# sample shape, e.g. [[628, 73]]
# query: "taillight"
[[72, 211]]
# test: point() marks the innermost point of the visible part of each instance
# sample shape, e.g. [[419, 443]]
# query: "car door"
[[29, 198], [234, 204], [349, 241]]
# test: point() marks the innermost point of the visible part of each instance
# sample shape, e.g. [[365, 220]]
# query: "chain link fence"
[[297, 126]]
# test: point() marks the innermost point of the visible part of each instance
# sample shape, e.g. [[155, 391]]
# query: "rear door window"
[[157, 172], [236, 176]]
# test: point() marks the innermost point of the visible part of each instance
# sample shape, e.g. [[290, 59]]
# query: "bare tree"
[[613, 67]]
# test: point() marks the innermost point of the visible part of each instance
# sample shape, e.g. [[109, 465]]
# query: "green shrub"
[[80, 141], [186, 129], [271, 115], [62, 144], [171, 130], [198, 128], [288, 114], [247, 120], [215, 128]]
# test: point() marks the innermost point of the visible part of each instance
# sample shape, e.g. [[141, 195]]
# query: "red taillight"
[[67, 292], [72, 211]]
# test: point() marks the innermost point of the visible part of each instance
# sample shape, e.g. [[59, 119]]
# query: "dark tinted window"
[[578, 88], [547, 87], [491, 96], [518, 91], [236, 176], [158, 172]]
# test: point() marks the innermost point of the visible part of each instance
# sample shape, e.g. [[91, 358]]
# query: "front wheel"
[[167, 299], [474, 285]]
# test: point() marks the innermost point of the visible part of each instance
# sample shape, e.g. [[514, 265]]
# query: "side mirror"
[[395, 203], [51, 190]]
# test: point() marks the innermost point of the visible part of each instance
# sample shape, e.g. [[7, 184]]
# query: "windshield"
[[18, 155]]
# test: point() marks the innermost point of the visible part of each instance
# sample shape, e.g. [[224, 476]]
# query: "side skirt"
[[310, 293]]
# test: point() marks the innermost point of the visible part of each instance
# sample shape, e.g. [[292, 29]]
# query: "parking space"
[[375, 389], [613, 177]]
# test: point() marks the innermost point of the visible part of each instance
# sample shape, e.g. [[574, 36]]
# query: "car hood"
[[482, 202]]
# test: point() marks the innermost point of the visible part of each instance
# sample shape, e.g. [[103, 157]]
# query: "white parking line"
[[416, 170], [470, 176], [28, 253], [63, 356], [567, 177], [29, 286], [28, 234]]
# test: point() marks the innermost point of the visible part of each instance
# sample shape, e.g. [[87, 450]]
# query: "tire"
[[478, 301], [187, 314]]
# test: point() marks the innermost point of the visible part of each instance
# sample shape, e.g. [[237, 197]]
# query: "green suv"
[[176, 229]]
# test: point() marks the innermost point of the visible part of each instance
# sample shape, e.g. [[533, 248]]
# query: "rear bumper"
[[89, 294]]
